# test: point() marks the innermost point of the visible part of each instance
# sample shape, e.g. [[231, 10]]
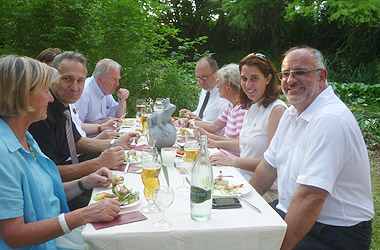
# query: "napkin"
[[140, 147], [119, 168], [135, 169], [121, 219]]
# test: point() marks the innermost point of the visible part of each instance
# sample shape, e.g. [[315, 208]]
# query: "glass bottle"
[[201, 185]]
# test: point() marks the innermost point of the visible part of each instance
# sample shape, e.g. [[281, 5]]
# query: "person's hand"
[[190, 115], [183, 113], [218, 159], [123, 94], [182, 122], [126, 140], [107, 134], [212, 143], [112, 157], [112, 123], [100, 178], [104, 210], [202, 131]]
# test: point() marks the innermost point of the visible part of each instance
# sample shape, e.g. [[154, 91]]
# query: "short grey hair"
[[319, 59], [103, 67], [71, 55], [230, 73]]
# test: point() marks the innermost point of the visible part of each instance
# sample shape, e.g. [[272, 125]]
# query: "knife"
[[240, 197]]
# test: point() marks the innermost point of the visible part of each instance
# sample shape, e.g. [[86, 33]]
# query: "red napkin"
[[120, 168], [121, 219], [140, 147], [134, 169]]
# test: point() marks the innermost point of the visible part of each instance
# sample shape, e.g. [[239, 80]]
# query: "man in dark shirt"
[[51, 133]]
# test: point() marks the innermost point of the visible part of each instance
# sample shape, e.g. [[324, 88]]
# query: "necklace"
[[30, 148]]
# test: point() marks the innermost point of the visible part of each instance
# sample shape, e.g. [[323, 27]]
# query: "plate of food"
[[229, 186], [127, 197], [132, 156], [128, 122]]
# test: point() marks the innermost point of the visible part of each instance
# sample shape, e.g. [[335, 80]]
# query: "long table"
[[241, 228]]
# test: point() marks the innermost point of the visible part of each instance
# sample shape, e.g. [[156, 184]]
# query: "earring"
[[267, 83]]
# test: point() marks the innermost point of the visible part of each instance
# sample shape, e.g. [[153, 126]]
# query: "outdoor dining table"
[[238, 228]]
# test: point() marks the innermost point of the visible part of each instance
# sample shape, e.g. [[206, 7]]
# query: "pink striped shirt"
[[233, 118]]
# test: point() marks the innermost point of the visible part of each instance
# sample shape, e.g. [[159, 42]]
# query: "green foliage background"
[[158, 42]]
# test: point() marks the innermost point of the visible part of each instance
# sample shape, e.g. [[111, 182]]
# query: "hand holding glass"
[[163, 197]]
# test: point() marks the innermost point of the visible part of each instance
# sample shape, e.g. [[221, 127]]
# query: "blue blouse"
[[22, 191]]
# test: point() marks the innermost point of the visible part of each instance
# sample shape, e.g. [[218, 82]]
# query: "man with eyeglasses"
[[320, 160], [210, 104]]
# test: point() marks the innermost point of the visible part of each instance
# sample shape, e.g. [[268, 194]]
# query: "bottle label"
[[199, 195]]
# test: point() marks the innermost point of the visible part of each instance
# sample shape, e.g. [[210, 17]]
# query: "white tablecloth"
[[241, 228]]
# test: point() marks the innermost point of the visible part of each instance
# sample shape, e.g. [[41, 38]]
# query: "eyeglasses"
[[298, 74], [205, 78]]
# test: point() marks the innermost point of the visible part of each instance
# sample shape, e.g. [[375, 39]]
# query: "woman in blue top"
[[33, 206]]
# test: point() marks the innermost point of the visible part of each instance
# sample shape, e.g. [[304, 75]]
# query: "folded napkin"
[[135, 169], [121, 219], [140, 147], [120, 168]]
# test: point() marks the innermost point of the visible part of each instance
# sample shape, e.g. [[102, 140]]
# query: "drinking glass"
[[158, 105], [163, 197], [144, 116], [184, 167], [149, 176], [168, 156], [140, 107]]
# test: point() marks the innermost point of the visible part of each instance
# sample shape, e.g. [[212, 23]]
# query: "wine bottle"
[[201, 185]]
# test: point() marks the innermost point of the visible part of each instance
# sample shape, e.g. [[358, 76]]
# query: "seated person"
[[96, 104], [34, 211], [58, 137], [320, 160], [259, 94], [210, 105], [47, 55], [231, 119]]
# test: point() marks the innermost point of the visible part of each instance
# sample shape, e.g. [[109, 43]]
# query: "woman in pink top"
[[231, 119]]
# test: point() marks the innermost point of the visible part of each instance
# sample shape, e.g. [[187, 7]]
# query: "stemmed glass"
[[149, 176], [158, 105], [140, 107], [184, 167], [163, 197]]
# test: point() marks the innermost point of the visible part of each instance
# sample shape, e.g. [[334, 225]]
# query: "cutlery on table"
[[240, 197]]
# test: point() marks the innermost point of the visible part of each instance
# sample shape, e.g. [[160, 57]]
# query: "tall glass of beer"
[[149, 176]]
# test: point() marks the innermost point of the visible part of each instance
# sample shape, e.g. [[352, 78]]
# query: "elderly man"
[[210, 105], [53, 135], [96, 104], [321, 161]]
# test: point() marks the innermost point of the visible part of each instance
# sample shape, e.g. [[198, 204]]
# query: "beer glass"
[[149, 176]]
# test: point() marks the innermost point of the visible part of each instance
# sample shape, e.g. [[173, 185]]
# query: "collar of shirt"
[[96, 87], [58, 105]]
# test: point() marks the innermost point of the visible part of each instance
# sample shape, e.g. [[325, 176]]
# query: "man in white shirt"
[[209, 108], [96, 104], [320, 159]]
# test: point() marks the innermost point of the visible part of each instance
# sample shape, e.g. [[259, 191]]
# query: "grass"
[[375, 176]]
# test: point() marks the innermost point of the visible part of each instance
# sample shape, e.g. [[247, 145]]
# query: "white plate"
[[110, 192], [134, 160], [244, 190]]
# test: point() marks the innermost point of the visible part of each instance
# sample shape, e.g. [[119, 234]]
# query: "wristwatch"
[[112, 143]]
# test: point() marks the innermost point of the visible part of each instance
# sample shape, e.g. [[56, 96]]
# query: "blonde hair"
[[19, 78]]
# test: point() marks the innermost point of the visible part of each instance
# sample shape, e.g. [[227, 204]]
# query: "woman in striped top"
[[231, 119]]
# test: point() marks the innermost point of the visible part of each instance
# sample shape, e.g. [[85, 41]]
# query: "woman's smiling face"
[[253, 82]]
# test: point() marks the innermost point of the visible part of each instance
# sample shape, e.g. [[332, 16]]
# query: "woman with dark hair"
[[259, 94]]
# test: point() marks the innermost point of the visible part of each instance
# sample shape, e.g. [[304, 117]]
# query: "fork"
[[240, 197]]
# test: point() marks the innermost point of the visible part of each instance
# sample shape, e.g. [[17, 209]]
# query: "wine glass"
[[184, 167], [140, 107], [158, 105], [149, 176], [163, 197]]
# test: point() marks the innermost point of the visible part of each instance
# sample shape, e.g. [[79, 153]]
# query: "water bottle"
[[201, 185]]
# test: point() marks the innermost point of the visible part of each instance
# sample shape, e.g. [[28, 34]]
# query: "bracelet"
[[112, 143], [80, 185], [63, 224], [99, 128]]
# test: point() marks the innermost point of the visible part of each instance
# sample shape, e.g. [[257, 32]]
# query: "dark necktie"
[[70, 137], [204, 104]]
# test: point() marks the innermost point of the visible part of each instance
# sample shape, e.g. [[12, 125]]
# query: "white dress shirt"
[[215, 105], [93, 105], [323, 147]]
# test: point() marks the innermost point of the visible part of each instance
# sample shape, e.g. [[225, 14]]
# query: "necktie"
[[70, 137], [204, 104]]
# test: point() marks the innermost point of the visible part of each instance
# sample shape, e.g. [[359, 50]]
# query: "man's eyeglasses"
[[204, 78], [298, 74]]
